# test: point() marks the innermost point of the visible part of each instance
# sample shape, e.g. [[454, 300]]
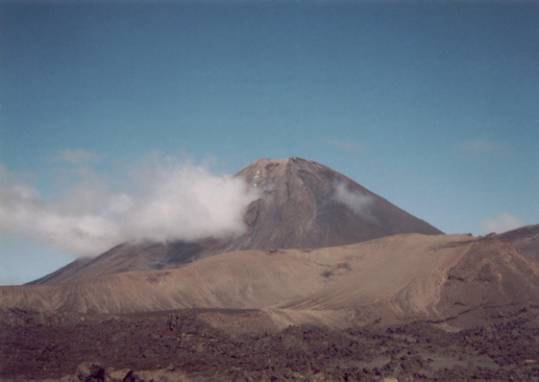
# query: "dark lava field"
[[179, 346]]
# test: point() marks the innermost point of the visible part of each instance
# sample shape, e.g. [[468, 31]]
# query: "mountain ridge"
[[399, 278], [302, 204]]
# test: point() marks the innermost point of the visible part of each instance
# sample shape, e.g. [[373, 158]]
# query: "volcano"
[[301, 204], [327, 276]]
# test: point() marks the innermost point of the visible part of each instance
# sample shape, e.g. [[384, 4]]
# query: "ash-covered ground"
[[179, 346]]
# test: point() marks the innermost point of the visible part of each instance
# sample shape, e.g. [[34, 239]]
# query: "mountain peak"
[[306, 204], [266, 170], [301, 204], [286, 162]]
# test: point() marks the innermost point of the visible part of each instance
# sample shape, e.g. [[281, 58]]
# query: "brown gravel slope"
[[394, 279]]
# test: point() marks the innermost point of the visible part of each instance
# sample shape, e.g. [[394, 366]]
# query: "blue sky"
[[433, 106]]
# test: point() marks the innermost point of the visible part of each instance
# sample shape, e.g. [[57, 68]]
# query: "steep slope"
[[392, 279], [308, 205], [524, 239], [302, 204]]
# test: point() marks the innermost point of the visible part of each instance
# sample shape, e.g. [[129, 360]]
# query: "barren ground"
[[182, 346]]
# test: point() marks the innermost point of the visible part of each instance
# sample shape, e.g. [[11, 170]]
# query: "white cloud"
[[175, 201], [480, 146], [77, 156], [357, 202], [501, 223]]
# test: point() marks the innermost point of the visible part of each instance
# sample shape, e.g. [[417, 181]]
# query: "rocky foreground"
[[180, 346]]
